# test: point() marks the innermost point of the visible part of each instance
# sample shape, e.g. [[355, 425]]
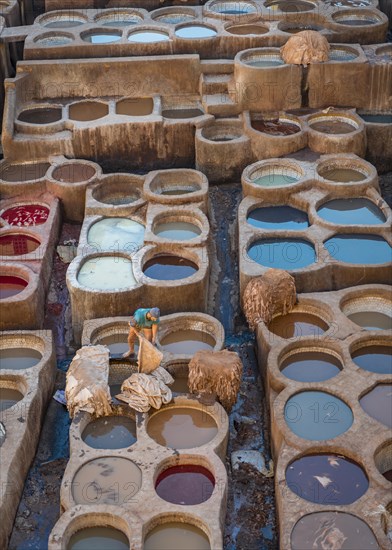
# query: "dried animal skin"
[[304, 48]]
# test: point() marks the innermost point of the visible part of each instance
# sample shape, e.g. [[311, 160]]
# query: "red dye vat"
[[10, 286], [186, 484], [26, 214], [17, 244]]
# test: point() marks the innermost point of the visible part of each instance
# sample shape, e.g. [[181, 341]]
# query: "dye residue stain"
[[278, 217], [182, 427], [296, 324], [345, 531], [378, 404], [185, 484], [176, 536], [351, 212], [110, 432], [317, 416], [374, 359], [19, 358], [288, 254], [310, 366], [187, 342], [359, 249], [98, 538], [327, 479]]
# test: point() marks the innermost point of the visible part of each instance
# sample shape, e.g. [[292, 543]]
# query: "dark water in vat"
[[333, 127], [342, 175], [40, 116], [169, 268], [181, 113], [186, 484], [379, 119], [278, 217], [310, 366], [282, 253], [378, 404], [351, 212], [294, 325], [359, 249], [110, 432], [374, 359]]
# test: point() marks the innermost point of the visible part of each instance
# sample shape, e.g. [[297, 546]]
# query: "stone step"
[[216, 66], [219, 105], [215, 83]]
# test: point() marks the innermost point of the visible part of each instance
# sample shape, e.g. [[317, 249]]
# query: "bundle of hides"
[[149, 357], [143, 391], [271, 294], [216, 372], [87, 386], [304, 48]]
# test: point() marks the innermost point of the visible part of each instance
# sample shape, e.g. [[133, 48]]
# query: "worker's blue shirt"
[[140, 317]]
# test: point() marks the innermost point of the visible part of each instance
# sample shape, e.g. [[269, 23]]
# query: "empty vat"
[[11, 286], [98, 538], [138, 106], [110, 432], [176, 536], [148, 36], [327, 479], [290, 6], [177, 231], [23, 172], [107, 273], [187, 484], [317, 416], [275, 127], [19, 358], [88, 110], [374, 358], [121, 234], [26, 215], [317, 531], [297, 324], [100, 37], [40, 116], [195, 32], [168, 267], [187, 341], [351, 212], [278, 217], [182, 427], [9, 397], [106, 480], [73, 172], [378, 404], [16, 244], [359, 249], [310, 366], [289, 254]]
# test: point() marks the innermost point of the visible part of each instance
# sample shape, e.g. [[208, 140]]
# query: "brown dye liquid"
[[107, 480], [8, 398], [176, 536], [388, 475], [17, 244], [187, 484], [117, 199], [135, 107], [98, 538], [333, 127], [167, 267], [110, 432], [182, 427], [275, 128], [247, 29], [88, 110], [180, 385], [288, 6], [357, 22], [11, 286], [187, 341], [73, 173], [40, 116], [342, 175], [24, 172], [19, 358], [294, 325], [182, 113], [378, 404], [371, 320]]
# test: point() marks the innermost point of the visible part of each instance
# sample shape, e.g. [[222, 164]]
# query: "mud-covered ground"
[[250, 521]]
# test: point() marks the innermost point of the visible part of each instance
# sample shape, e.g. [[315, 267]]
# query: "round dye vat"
[[297, 324], [110, 432], [177, 231], [182, 427], [98, 538], [176, 536], [371, 320], [301, 28], [342, 175], [265, 61], [332, 530], [355, 20], [24, 172], [310, 366], [317, 416], [169, 268], [138, 106], [288, 6], [11, 286], [101, 38], [187, 342], [26, 214], [119, 19], [74, 172], [9, 397], [117, 199], [17, 244], [359, 249], [374, 359], [275, 127], [186, 484], [107, 273], [327, 479], [19, 358], [278, 217], [59, 22], [351, 212], [84, 111], [144, 37], [288, 254], [378, 404], [178, 190], [175, 18], [117, 343], [332, 126], [350, 3], [107, 480], [195, 32], [40, 116], [247, 29], [377, 119], [181, 113], [233, 8], [341, 54], [54, 40], [122, 234]]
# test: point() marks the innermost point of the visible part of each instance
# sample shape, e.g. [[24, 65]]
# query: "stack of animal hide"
[[143, 391], [304, 48]]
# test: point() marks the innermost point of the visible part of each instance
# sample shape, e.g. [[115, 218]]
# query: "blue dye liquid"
[[278, 217], [351, 212], [361, 249], [286, 254]]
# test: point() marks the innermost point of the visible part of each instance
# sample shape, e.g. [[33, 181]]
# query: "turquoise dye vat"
[[310, 366], [359, 249], [374, 359], [274, 180], [377, 119], [195, 32], [286, 254], [317, 416], [351, 212], [278, 217]]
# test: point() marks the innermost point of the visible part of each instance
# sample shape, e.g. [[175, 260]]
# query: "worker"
[[144, 320]]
